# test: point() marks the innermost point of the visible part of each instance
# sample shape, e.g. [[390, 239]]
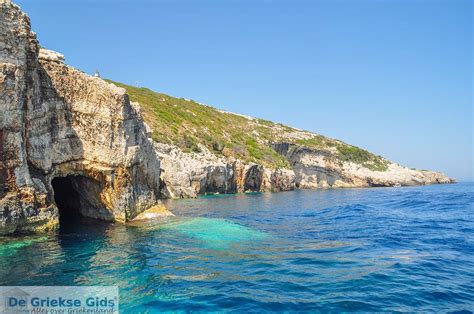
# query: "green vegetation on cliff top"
[[187, 124]]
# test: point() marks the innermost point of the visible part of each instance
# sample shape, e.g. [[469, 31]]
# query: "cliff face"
[[60, 128], [191, 174], [211, 151], [324, 168], [72, 141]]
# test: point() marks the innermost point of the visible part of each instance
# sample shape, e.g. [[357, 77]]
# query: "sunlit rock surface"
[[191, 174], [57, 121], [323, 169], [70, 139]]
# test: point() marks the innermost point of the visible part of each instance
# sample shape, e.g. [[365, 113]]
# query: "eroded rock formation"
[[72, 141], [192, 174], [323, 169], [57, 122]]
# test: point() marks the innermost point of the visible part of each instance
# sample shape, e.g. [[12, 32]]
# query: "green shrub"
[[362, 157], [188, 124]]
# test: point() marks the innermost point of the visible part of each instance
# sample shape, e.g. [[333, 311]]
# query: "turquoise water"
[[384, 249]]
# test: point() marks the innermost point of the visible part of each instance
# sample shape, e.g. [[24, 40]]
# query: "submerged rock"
[[58, 122], [158, 211], [219, 234]]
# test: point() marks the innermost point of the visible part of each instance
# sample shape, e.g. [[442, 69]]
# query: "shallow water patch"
[[214, 233], [9, 247]]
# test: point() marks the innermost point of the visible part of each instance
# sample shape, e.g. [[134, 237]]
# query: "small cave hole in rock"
[[78, 200]]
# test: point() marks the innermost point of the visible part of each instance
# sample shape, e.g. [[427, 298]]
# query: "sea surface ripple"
[[380, 249]]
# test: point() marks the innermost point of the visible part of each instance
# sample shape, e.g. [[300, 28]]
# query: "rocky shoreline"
[[64, 132]]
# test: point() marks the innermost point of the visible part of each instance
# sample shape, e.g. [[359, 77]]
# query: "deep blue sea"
[[380, 249]]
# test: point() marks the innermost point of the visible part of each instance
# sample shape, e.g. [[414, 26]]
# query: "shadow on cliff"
[[146, 173], [72, 191]]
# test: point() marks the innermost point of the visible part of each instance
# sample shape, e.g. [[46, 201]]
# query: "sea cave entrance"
[[78, 200]]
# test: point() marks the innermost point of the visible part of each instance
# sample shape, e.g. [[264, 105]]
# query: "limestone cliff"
[[59, 125], [206, 150], [196, 173], [72, 141], [324, 168], [191, 174]]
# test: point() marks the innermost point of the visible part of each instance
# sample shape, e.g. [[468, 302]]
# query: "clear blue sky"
[[394, 77]]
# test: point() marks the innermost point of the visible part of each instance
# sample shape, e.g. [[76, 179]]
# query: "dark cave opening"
[[78, 200], [67, 200]]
